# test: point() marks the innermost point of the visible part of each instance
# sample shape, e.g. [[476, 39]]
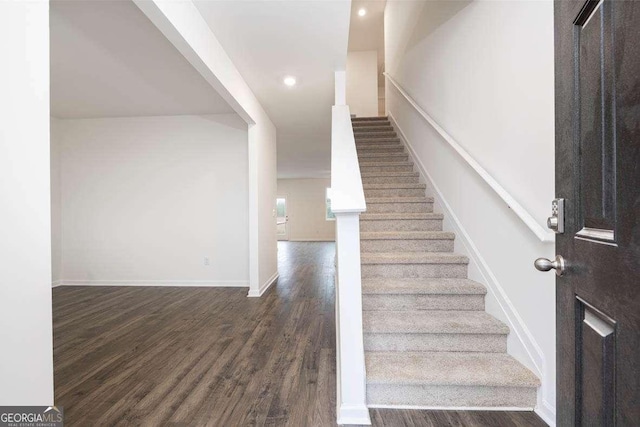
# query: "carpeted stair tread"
[[428, 339], [386, 151], [400, 216], [364, 125], [371, 178], [371, 124], [374, 135], [412, 258], [421, 286], [373, 128], [388, 174], [406, 235], [432, 322], [400, 200], [382, 146], [448, 368], [364, 142], [388, 163], [369, 119], [385, 186], [390, 156]]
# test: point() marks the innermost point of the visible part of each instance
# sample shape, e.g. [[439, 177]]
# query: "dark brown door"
[[597, 59]]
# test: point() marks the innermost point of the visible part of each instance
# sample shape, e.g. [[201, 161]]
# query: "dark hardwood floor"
[[207, 356]]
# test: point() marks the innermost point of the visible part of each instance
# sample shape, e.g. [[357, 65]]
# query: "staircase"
[[428, 341]]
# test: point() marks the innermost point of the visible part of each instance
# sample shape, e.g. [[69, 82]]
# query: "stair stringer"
[[521, 343]]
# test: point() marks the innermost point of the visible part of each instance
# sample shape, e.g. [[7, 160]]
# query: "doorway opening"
[[282, 218]]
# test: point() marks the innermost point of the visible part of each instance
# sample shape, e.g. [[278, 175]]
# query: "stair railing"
[[347, 202], [543, 234]]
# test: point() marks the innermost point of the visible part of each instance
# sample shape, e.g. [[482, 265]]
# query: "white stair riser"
[[394, 192], [379, 168], [448, 396], [457, 271], [390, 180], [413, 245], [410, 302], [400, 207], [401, 225], [486, 343]]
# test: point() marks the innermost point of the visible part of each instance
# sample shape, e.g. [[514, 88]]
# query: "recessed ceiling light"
[[362, 11], [290, 81]]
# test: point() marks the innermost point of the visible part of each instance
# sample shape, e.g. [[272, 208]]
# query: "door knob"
[[558, 264]]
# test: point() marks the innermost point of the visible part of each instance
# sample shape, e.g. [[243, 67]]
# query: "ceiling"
[[109, 60], [367, 32], [268, 40]]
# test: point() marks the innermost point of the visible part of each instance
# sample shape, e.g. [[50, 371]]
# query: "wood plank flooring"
[[159, 356]]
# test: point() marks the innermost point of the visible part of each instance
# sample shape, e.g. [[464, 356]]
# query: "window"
[[280, 209], [329, 216]]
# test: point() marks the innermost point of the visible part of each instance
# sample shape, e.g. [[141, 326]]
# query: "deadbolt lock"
[[556, 221]]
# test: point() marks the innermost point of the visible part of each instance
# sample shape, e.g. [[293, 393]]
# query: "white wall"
[[56, 202], [145, 199], [306, 209], [26, 345], [183, 25], [484, 71], [362, 83], [263, 174], [381, 101]]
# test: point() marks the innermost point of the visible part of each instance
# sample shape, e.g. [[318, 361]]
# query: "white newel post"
[[347, 203], [352, 404]]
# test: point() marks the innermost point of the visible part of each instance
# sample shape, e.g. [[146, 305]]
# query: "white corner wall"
[[56, 202], [362, 83], [306, 205], [144, 200], [26, 336], [263, 186], [484, 71], [187, 30]]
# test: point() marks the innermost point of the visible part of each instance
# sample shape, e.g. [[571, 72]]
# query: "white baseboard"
[[179, 283], [263, 288], [349, 414], [547, 412], [454, 408], [515, 322], [56, 283]]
